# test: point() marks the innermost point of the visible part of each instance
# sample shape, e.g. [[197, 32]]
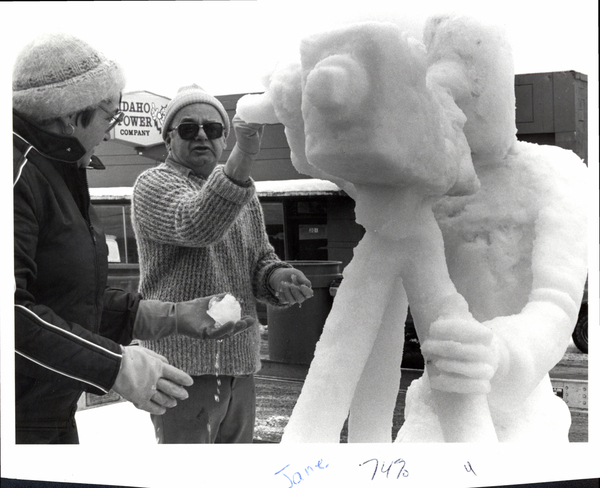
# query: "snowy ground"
[[102, 425]]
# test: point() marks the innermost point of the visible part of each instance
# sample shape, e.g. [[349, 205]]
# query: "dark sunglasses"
[[189, 130]]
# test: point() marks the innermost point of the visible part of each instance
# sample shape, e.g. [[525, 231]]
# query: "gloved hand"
[[290, 285], [156, 319], [148, 381], [248, 136]]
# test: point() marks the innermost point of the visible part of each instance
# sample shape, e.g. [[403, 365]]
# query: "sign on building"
[[144, 115]]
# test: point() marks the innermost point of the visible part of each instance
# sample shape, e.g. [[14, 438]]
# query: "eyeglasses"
[[189, 130], [115, 118]]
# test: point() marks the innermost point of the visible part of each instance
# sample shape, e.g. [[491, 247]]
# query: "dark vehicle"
[[580, 333]]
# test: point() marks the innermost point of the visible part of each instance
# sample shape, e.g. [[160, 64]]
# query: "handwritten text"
[[296, 477], [398, 466]]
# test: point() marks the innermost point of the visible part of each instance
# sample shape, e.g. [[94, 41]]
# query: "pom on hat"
[[59, 74], [187, 95]]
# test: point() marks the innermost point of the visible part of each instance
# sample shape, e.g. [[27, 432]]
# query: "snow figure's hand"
[[248, 136], [290, 285], [528, 353], [461, 356]]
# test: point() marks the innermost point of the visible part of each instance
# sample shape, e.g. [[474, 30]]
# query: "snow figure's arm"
[[376, 394], [281, 100], [282, 103], [459, 352], [533, 341], [349, 334]]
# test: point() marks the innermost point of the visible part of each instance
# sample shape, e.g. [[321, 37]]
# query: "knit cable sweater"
[[197, 238]]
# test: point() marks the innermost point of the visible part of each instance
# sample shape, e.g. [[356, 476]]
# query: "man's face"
[[200, 154]]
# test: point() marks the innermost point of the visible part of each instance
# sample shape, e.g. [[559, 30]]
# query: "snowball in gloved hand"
[[226, 309]]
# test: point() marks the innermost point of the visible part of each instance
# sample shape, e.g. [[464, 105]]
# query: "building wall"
[[124, 163], [551, 108], [343, 231]]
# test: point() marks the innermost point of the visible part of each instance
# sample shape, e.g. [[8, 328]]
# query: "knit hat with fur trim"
[[187, 95], [58, 74]]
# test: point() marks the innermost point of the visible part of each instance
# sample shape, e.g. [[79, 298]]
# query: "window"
[[273, 212], [306, 226], [116, 221]]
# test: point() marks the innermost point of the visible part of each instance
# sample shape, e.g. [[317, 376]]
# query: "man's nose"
[[201, 134], [106, 137]]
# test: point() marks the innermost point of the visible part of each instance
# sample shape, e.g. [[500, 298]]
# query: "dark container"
[[295, 331]]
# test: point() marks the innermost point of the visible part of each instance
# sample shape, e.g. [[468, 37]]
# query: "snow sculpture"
[[516, 250], [370, 109]]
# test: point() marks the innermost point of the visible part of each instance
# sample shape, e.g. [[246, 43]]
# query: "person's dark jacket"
[[68, 324]]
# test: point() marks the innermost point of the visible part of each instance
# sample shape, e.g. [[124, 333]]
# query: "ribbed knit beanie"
[[59, 74], [187, 95]]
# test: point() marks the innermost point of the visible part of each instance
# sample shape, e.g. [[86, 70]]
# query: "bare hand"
[[290, 285]]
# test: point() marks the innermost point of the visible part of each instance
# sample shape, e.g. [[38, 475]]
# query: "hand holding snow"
[[256, 109], [226, 309], [290, 286], [248, 135]]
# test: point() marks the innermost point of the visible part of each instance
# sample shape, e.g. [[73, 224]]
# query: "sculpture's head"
[[473, 61]]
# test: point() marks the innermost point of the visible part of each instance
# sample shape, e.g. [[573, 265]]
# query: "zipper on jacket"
[[95, 243]]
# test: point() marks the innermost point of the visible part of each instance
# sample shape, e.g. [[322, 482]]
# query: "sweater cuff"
[[226, 188], [267, 293]]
